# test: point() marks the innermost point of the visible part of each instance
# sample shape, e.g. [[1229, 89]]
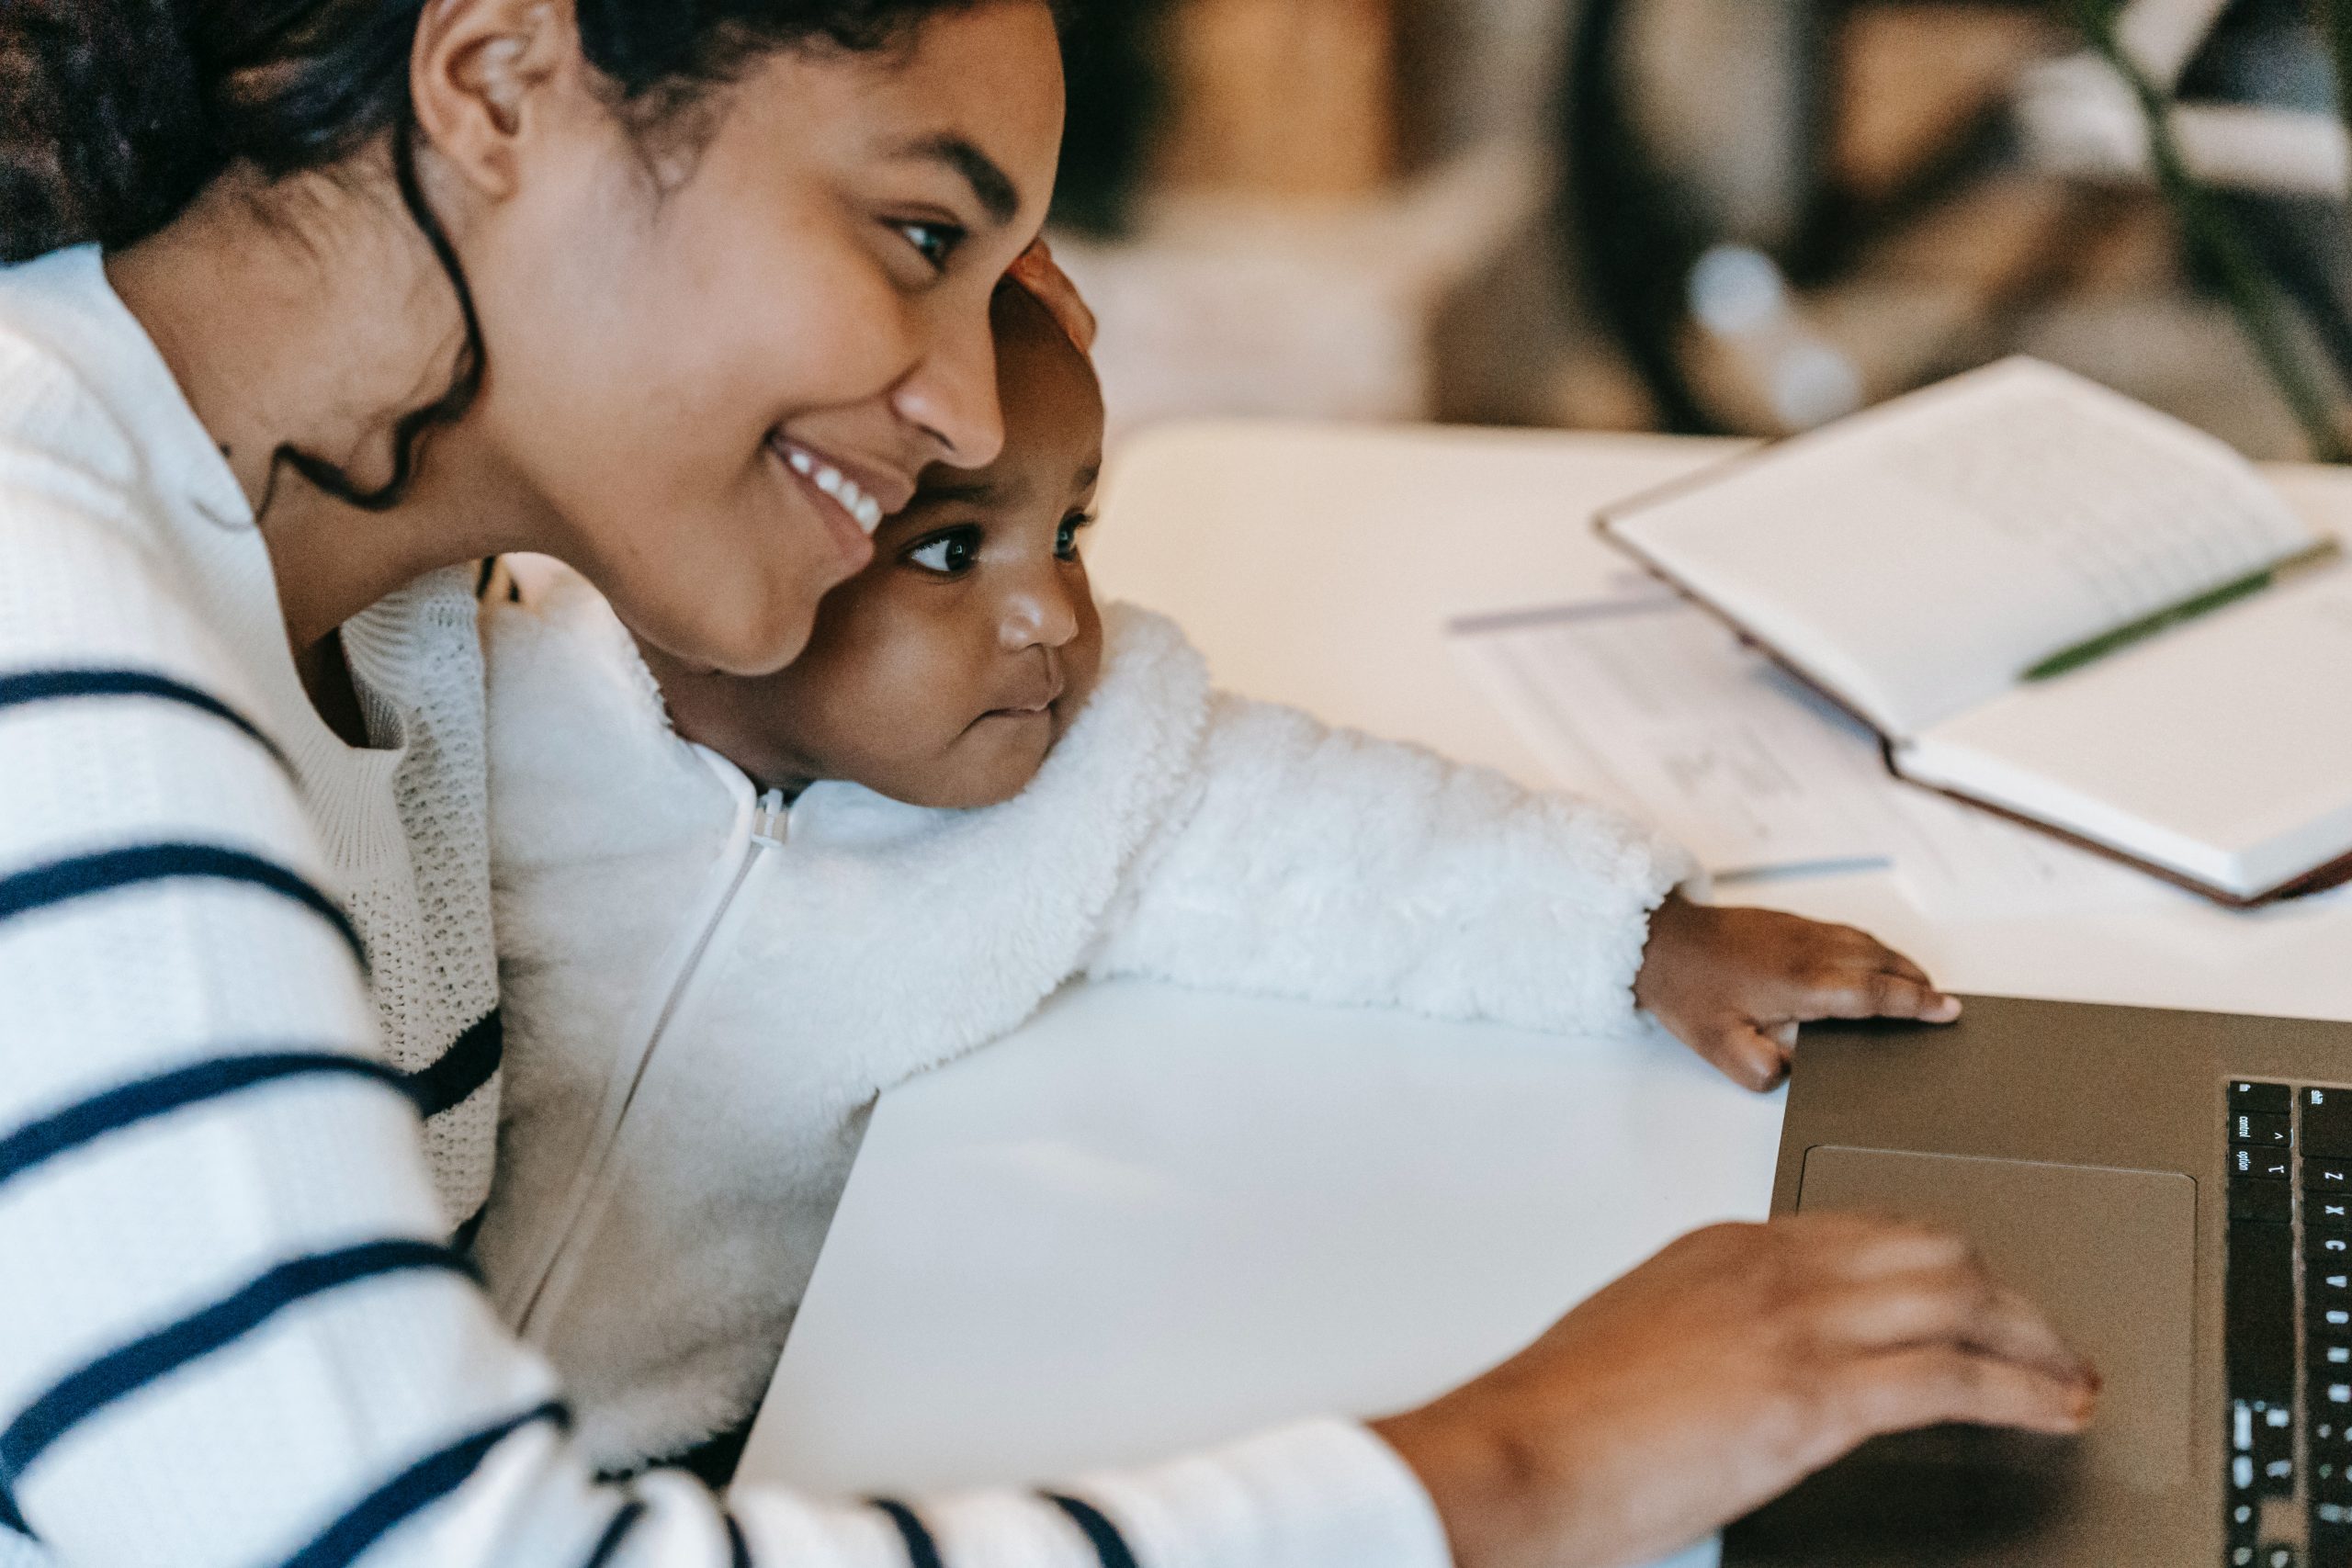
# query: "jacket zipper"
[[770, 825]]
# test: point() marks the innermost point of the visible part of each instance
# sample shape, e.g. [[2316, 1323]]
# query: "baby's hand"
[[1733, 984]]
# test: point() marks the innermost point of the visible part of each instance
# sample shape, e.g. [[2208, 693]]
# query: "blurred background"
[[1729, 216]]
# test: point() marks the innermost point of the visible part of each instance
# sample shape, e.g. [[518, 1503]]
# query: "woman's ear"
[[487, 76]]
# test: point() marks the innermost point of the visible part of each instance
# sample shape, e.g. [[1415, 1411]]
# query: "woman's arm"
[[1325, 864]]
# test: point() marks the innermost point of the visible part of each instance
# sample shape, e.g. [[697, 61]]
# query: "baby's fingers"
[[1750, 1056], [1878, 993], [1895, 963]]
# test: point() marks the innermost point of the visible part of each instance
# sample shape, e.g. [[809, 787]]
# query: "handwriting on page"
[[2140, 527]]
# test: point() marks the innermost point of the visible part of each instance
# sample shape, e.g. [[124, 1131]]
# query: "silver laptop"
[[2175, 1189]]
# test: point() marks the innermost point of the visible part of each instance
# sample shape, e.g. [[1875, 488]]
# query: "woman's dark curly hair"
[[115, 113]]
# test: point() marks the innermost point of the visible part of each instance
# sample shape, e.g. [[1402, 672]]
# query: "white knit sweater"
[[231, 1331], [704, 994]]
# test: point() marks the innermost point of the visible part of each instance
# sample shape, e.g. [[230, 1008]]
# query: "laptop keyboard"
[[2288, 1300]]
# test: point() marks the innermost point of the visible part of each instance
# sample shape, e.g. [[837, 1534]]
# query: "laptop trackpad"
[[2110, 1255]]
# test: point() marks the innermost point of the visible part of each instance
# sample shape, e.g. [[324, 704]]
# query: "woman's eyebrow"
[[990, 184]]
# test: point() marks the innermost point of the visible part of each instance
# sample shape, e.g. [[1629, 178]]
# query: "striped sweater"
[[248, 1055]]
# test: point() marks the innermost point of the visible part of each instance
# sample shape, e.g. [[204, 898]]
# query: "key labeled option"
[[2271, 1164]]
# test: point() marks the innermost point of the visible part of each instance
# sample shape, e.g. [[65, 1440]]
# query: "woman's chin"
[[756, 640]]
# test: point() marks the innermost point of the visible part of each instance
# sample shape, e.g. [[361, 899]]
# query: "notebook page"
[[2223, 749], [1919, 557], [1654, 706]]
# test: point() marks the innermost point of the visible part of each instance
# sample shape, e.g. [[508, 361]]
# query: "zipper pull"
[[771, 819]]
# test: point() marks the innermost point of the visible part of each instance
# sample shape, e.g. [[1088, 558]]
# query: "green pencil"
[[2213, 599]]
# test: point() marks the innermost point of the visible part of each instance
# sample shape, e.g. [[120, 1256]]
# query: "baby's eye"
[[949, 554], [1065, 541], [936, 243]]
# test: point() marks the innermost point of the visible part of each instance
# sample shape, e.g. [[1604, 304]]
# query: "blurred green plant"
[[2334, 18], [2215, 234]]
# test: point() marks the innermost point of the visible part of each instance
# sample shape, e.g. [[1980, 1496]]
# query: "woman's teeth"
[[840, 487]]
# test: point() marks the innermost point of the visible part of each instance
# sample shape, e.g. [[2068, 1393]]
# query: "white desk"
[[1087, 1245]]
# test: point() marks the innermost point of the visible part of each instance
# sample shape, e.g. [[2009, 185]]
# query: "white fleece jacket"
[[704, 993]]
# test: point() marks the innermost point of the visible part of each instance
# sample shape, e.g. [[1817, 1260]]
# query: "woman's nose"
[[951, 395]]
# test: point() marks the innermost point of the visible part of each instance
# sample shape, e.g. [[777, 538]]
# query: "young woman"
[[319, 303]]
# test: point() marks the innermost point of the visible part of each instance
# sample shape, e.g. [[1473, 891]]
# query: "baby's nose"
[[1044, 611]]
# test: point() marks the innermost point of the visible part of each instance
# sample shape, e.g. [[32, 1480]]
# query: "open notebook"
[[1982, 572]]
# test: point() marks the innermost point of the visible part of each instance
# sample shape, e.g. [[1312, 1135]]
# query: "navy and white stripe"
[[58, 882], [470, 1063], [165, 1092], [1096, 1526], [922, 1549], [27, 687], [422, 1485], [146, 1361], [616, 1533]]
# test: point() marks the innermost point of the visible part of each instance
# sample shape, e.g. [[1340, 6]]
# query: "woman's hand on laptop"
[[1720, 1374], [1733, 984]]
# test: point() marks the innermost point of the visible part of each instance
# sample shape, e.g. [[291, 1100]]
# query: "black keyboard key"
[[2331, 1542], [2258, 1304], [2328, 1208], [2328, 1244], [2326, 1284], [2264, 1203], [2277, 1557], [2258, 1130], [2327, 1120], [2325, 1175], [2270, 1098], [2274, 1465], [2274, 1450], [2241, 1528], [2242, 1524], [2273, 1164]]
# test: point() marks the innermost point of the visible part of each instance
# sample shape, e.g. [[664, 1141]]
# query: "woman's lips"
[[867, 491], [835, 486], [842, 503]]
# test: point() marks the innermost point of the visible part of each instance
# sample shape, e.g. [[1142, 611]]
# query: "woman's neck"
[[313, 318]]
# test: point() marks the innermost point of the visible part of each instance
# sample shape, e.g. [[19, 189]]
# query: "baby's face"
[[943, 672]]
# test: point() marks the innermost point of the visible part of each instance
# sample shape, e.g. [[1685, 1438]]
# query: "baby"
[[736, 910]]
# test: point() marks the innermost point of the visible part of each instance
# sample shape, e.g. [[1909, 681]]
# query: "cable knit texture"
[[749, 997]]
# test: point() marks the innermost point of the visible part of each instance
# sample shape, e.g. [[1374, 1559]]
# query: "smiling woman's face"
[[716, 383]]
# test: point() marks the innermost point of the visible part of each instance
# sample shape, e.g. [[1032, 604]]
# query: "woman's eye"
[[936, 243], [949, 553], [1066, 542]]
